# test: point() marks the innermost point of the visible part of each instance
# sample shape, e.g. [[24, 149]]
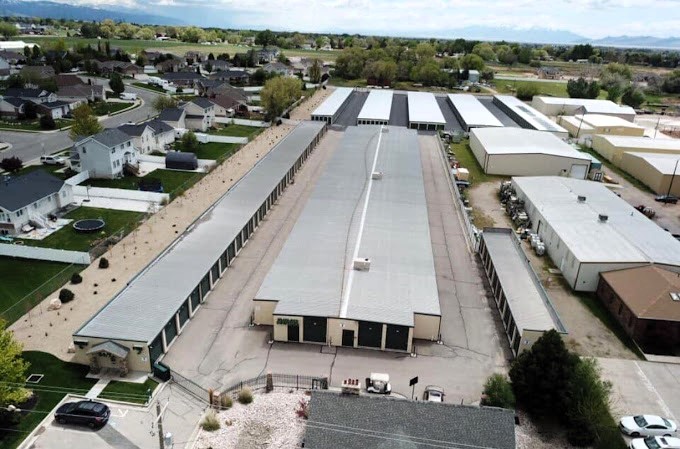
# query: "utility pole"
[[657, 126], [670, 185], [159, 421]]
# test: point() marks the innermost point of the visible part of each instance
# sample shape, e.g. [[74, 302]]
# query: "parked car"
[[668, 199], [433, 394], [378, 383], [52, 160], [655, 443], [87, 413], [647, 426]]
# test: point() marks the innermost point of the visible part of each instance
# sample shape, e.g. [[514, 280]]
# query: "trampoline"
[[89, 225]]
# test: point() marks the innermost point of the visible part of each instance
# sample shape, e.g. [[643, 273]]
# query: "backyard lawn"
[[216, 151], [68, 238], [59, 378], [103, 108], [30, 280], [31, 125], [552, 89], [129, 392], [173, 181], [237, 131]]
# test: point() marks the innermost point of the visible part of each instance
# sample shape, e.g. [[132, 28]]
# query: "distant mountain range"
[[527, 35], [65, 11], [639, 41]]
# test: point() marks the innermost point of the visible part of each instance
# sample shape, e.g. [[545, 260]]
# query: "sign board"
[[413, 381]]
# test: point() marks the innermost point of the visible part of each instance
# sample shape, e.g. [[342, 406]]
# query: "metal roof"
[[642, 142], [313, 276], [473, 112], [626, 236], [21, 191], [111, 347], [378, 106], [423, 108], [334, 102], [664, 163], [534, 118], [524, 141], [141, 310], [529, 303], [601, 120], [592, 106]]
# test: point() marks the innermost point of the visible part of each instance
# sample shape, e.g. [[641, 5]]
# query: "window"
[[84, 150], [113, 150]]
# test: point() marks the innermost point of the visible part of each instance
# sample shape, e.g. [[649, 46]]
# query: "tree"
[[671, 83], [485, 51], [89, 30], [614, 92], [193, 34], [12, 369], [15, 81], [526, 92], [633, 97], [581, 88], [427, 72], [264, 38], [11, 164], [116, 84], [27, 52], [315, 71], [163, 102], [425, 51], [47, 122], [498, 392], [526, 54], [30, 110], [211, 57], [208, 67], [188, 142], [278, 93], [472, 62], [85, 122], [8, 30], [506, 55]]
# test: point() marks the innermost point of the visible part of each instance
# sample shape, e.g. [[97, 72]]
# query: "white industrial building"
[[526, 152], [377, 108], [658, 171], [424, 112], [587, 229], [330, 109], [555, 106], [613, 147], [471, 113], [590, 124], [526, 116]]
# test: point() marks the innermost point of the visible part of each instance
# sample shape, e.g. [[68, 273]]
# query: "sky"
[[422, 18]]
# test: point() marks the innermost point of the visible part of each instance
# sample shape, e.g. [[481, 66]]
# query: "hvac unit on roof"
[[581, 199], [362, 264], [675, 296], [603, 218], [377, 175]]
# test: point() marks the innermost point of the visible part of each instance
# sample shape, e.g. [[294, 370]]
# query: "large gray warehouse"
[[134, 329], [526, 116]]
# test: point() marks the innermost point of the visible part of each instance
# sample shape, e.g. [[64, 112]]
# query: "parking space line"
[[648, 384]]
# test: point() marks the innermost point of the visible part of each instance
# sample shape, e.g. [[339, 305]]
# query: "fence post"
[[297, 382]]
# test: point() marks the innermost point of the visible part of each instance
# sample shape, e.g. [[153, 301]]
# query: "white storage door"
[[578, 171]]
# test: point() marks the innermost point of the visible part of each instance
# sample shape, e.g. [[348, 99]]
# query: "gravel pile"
[[270, 422]]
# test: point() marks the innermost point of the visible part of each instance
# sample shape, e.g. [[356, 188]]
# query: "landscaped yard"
[[173, 181], [30, 280], [216, 151], [68, 238], [59, 379], [32, 125], [103, 108], [149, 86], [236, 131], [129, 392]]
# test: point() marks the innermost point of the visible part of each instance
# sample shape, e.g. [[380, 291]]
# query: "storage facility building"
[[526, 152], [613, 147], [590, 124], [471, 113], [357, 269], [377, 108], [555, 106], [526, 116], [524, 306], [424, 112], [333, 106], [135, 328], [589, 230], [660, 172]]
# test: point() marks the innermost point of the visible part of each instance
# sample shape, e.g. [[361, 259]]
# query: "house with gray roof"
[[278, 68], [11, 107], [142, 136], [174, 117], [200, 114], [31, 199], [105, 154], [35, 95], [182, 79], [56, 109], [164, 134], [382, 422]]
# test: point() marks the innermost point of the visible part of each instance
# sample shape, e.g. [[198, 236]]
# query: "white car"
[[53, 160], [433, 394], [647, 426], [655, 443]]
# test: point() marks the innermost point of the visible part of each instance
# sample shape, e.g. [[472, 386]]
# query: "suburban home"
[[231, 76], [151, 56], [105, 154], [227, 105], [278, 68], [164, 134], [37, 96], [549, 73], [66, 79], [175, 117], [182, 79], [82, 93], [204, 86], [142, 136], [30, 199], [194, 56], [11, 107], [219, 64], [56, 109], [4, 68], [12, 57], [170, 65], [268, 54], [122, 67], [32, 73], [200, 114]]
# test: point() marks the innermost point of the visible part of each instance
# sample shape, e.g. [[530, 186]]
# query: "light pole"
[[657, 126], [670, 185]]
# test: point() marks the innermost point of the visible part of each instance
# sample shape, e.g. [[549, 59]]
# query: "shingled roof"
[[21, 191]]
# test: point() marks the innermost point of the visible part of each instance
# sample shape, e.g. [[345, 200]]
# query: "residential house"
[[37, 96], [268, 54], [12, 107], [79, 94], [206, 85], [278, 68], [33, 74], [231, 76], [31, 199], [182, 79], [170, 65], [142, 136], [200, 114], [56, 109], [66, 79], [549, 73], [12, 57], [228, 106], [122, 67], [164, 134], [174, 117], [192, 57], [227, 89], [220, 64], [105, 154], [4, 68], [151, 56]]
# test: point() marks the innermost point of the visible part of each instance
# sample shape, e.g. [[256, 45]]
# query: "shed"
[[180, 160]]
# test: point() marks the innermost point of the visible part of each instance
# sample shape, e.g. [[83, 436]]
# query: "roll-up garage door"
[[314, 329], [396, 337], [370, 334], [578, 171]]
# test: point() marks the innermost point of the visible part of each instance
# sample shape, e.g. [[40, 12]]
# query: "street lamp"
[[670, 185]]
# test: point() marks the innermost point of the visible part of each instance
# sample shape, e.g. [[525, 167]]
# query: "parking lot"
[[218, 348], [348, 116]]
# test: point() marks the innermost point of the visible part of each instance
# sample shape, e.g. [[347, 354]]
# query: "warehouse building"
[[525, 308], [590, 124], [471, 113], [377, 108], [424, 112], [526, 152], [660, 172], [134, 329], [613, 147], [526, 116], [357, 270], [333, 106], [554, 106], [588, 230]]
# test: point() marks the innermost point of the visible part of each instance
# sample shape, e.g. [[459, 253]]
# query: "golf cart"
[[433, 394], [378, 383]]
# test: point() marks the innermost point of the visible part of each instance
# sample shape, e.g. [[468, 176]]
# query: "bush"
[[66, 295], [225, 401], [76, 278], [498, 392], [103, 263], [210, 423], [245, 396], [526, 92], [11, 164], [47, 122]]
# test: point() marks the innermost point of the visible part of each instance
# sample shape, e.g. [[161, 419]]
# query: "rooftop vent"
[[377, 175], [675, 296], [603, 218], [581, 199], [362, 264]]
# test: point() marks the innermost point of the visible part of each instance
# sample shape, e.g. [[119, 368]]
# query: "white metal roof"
[[603, 121], [642, 142], [536, 119], [664, 163], [423, 108], [626, 236], [310, 276], [528, 301], [378, 106], [591, 106], [524, 141], [334, 102], [473, 112], [140, 311]]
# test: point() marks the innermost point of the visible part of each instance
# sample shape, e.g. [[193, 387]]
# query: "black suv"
[[87, 413], [669, 199]]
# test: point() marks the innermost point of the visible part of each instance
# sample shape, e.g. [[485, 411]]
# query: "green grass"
[[33, 125], [51, 169], [464, 156], [172, 181], [216, 151], [68, 238], [149, 87], [29, 281], [58, 375], [545, 88], [103, 108], [236, 131], [617, 170], [129, 392]]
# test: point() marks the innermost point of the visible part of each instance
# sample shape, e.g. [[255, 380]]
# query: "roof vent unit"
[[362, 264], [377, 175], [675, 296], [581, 199], [603, 218]]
